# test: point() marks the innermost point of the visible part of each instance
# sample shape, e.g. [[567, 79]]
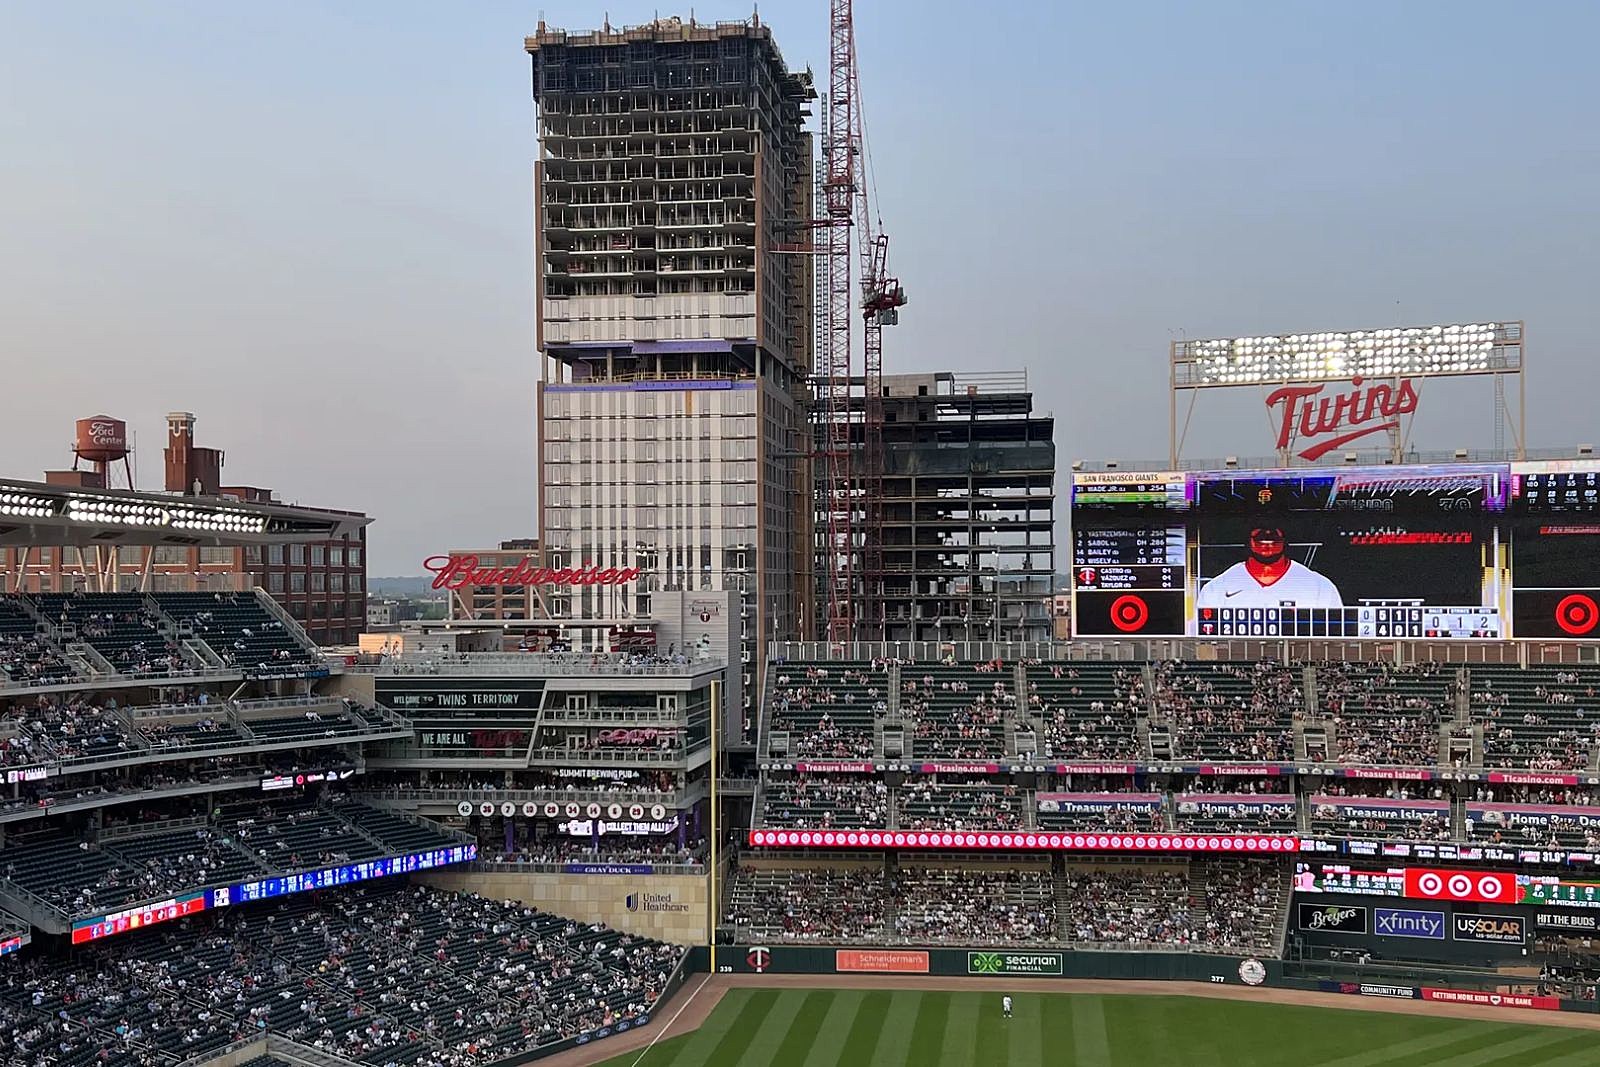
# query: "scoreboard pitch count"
[[1455, 552]]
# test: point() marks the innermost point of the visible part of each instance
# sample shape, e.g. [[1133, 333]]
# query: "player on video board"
[[1268, 578]]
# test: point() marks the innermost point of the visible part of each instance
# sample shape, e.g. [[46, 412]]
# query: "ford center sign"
[[1002, 963]]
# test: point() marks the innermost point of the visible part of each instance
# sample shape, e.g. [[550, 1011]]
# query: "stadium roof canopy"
[[34, 513]]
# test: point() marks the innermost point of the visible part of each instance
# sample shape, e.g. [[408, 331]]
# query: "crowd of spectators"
[[1243, 904], [380, 975], [928, 803], [1129, 905], [830, 711], [823, 802], [1384, 713], [1236, 711], [818, 904], [65, 726], [562, 850], [972, 906], [1537, 719], [1089, 711]]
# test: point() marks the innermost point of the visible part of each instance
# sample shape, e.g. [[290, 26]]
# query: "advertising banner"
[[1492, 1000], [1485, 887], [837, 767], [1240, 806], [1096, 768], [1405, 922], [1542, 816], [607, 868], [1495, 929], [1098, 803], [880, 961], [1019, 963], [1332, 918], [1576, 922], [1369, 989], [1328, 807]]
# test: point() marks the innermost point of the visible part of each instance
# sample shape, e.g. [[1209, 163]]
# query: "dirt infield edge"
[[686, 1015]]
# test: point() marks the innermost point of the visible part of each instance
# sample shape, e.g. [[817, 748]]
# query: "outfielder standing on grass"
[[1005, 1005]]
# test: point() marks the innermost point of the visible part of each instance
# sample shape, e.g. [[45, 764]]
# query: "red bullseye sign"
[[1488, 887], [1129, 613], [1577, 614]]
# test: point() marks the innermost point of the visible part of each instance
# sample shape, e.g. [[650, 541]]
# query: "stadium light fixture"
[[25, 505], [1410, 352]]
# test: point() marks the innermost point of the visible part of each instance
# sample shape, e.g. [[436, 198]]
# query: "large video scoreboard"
[[1452, 552]]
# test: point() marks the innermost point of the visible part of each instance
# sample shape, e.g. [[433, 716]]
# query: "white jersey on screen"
[[1300, 587]]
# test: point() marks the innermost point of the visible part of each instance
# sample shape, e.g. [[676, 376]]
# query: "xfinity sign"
[[1400, 922]]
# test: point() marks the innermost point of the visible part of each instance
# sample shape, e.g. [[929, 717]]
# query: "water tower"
[[102, 442]]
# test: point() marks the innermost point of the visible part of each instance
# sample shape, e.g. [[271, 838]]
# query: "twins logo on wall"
[[758, 959]]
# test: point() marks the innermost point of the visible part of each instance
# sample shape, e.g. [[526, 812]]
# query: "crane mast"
[[853, 484]]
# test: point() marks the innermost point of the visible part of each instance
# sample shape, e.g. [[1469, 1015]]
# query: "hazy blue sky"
[[311, 224]]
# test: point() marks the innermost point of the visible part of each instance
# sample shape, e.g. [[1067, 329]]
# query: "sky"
[[311, 223]]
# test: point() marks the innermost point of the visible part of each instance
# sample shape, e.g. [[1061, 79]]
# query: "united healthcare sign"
[[1400, 922]]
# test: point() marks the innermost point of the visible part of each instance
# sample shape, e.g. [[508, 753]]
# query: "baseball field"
[[790, 1027]]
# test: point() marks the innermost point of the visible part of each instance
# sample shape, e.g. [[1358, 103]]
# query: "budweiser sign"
[[1324, 421], [459, 572]]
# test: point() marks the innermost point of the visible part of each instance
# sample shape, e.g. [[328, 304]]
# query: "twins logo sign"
[[759, 959]]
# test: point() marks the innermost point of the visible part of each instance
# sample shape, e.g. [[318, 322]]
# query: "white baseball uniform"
[[1300, 587]]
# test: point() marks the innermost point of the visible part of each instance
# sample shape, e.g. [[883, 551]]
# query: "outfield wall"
[[667, 907], [993, 963]]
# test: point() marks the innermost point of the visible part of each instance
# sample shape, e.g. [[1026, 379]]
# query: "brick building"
[[323, 584]]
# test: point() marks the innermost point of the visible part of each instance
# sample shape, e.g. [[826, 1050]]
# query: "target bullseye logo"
[[1490, 887], [1130, 613], [1575, 614], [1430, 884]]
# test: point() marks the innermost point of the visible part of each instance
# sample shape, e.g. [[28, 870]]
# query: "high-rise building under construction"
[[673, 324]]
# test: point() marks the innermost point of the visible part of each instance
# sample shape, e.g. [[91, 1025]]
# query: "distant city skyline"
[[315, 232]]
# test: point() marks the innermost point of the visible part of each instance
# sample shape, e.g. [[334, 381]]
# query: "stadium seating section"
[[1220, 905], [386, 974], [241, 841], [139, 636], [1229, 711]]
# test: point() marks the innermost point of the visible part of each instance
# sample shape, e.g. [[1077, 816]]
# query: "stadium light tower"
[[1381, 370]]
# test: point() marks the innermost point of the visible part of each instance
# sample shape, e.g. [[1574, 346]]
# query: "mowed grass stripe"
[[1573, 1052], [894, 1031], [748, 1022], [927, 1033], [807, 1028], [823, 1028], [961, 1032], [867, 1029], [1459, 1049], [827, 1048], [1505, 1053], [1025, 1034], [1089, 1032], [774, 1033], [1432, 1045]]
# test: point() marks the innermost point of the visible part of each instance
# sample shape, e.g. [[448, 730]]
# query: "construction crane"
[[851, 490]]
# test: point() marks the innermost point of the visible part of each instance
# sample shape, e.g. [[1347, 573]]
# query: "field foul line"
[[663, 1033]]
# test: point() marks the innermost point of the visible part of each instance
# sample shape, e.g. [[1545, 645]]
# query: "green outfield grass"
[[875, 1028]]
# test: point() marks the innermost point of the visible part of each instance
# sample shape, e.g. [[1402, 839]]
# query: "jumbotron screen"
[[1449, 552]]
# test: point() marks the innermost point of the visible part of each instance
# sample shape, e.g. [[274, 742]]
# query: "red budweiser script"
[[1489, 887], [457, 572], [1325, 421]]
